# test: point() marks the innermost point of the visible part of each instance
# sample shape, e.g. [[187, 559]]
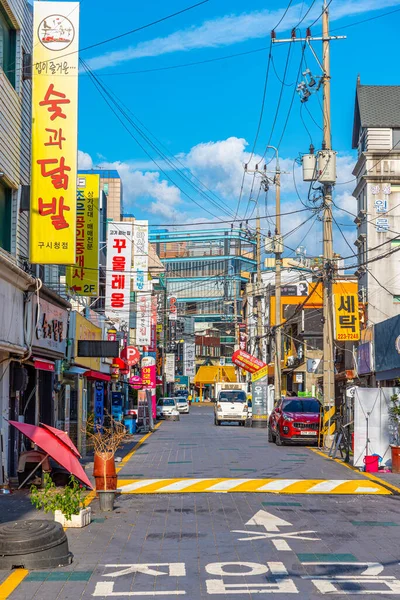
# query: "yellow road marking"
[[12, 582], [17, 576], [369, 475], [232, 485]]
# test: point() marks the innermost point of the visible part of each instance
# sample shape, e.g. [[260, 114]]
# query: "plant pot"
[[81, 520], [395, 459], [106, 499], [104, 472]]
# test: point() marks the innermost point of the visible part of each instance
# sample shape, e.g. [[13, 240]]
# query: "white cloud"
[[219, 166], [231, 29], [84, 160], [146, 190]]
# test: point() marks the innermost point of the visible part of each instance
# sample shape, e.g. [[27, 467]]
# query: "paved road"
[[232, 545]]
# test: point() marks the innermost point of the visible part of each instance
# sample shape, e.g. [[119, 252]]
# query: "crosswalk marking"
[[327, 486], [274, 486], [277, 485]]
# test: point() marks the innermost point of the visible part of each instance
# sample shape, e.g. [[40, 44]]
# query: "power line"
[[184, 65], [103, 92]]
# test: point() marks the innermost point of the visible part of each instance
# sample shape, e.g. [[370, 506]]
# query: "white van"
[[231, 406]]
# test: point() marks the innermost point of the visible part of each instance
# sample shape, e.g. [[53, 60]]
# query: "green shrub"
[[68, 500]]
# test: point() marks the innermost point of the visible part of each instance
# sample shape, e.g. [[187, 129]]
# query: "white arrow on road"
[[268, 521], [271, 524]]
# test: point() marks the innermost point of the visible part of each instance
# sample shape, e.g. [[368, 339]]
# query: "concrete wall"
[[15, 129], [379, 281]]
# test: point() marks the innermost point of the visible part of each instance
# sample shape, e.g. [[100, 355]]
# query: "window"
[[5, 218], [396, 139], [396, 299], [7, 48]]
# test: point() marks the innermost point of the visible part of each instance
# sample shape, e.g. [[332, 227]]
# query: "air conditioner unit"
[[290, 361]]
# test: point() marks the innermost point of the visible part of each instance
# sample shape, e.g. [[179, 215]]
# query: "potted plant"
[[66, 503], [394, 413], [106, 440]]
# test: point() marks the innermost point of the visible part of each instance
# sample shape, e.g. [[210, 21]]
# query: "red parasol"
[[55, 447], [64, 437]]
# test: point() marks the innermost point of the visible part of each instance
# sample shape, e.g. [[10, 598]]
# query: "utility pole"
[[328, 375], [259, 287], [278, 283], [323, 169]]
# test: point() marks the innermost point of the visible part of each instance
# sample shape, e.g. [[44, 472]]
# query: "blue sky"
[[207, 114]]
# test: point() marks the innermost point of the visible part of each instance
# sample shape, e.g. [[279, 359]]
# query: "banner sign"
[[54, 133], [143, 331], [98, 406], [119, 268], [83, 276], [173, 310], [172, 336], [140, 255], [149, 381], [260, 374], [347, 320], [247, 361], [242, 336], [259, 392], [153, 325], [170, 368], [189, 359]]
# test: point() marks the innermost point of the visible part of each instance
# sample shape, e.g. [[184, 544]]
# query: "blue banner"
[[98, 404]]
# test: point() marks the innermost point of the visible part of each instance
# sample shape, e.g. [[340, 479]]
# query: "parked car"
[[231, 406], [182, 405], [168, 406], [294, 420]]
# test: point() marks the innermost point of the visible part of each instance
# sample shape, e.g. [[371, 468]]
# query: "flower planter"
[[104, 472], [395, 459], [81, 520]]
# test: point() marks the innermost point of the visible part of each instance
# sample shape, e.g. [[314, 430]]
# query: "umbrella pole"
[[32, 472]]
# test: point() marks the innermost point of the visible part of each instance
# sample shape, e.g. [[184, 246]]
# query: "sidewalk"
[[392, 479], [17, 505]]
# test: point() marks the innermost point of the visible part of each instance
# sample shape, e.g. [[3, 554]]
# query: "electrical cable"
[[100, 88]]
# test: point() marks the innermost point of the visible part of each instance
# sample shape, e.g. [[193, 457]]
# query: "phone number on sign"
[[348, 336]]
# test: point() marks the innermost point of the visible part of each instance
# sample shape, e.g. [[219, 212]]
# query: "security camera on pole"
[[322, 167]]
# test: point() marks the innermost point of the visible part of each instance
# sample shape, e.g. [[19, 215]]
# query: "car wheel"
[[271, 437], [278, 439]]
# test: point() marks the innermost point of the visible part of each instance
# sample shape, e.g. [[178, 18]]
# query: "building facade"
[[376, 136], [111, 185], [207, 270]]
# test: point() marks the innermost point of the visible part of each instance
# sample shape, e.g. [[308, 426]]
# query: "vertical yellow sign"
[[54, 132], [83, 276], [347, 320]]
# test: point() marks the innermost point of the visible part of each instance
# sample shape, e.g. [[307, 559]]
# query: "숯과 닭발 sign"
[[54, 133]]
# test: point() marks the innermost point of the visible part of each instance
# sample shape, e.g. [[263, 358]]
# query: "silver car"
[[182, 405]]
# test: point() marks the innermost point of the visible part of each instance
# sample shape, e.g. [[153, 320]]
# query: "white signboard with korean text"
[[170, 368], [51, 328], [140, 255], [119, 270], [189, 359], [143, 322]]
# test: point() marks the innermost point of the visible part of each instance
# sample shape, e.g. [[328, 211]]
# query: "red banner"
[[247, 361]]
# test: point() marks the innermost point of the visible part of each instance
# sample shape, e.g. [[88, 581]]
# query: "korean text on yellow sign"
[[347, 321], [83, 276], [54, 132]]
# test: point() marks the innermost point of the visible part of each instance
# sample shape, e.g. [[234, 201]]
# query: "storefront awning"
[[42, 364], [75, 371], [214, 375], [97, 375]]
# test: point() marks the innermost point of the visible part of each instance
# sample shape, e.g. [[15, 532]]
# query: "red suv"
[[294, 420]]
